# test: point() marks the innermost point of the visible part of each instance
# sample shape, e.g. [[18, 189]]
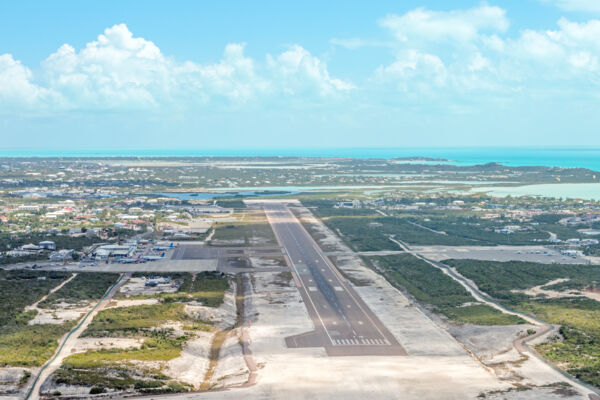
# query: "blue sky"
[[299, 74]]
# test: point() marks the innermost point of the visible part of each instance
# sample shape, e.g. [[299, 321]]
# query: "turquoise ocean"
[[565, 157]]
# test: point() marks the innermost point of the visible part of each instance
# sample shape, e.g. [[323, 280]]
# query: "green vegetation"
[[207, 287], [498, 279], [20, 259], [231, 203], [127, 321], [481, 314], [61, 241], [251, 229], [112, 369], [22, 344], [431, 287], [20, 288], [30, 345], [155, 348], [85, 286], [579, 351], [116, 369]]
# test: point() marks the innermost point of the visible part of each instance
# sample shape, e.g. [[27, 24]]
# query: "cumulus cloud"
[[414, 67], [458, 25], [577, 5], [16, 89], [298, 71], [460, 51], [119, 71], [569, 52]]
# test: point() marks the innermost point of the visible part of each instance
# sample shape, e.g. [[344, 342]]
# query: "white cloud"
[[459, 25], [577, 5], [298, 71], [357, 43], [570, 52], [460, 51], [413, 67], [16, 89], [118, 71]]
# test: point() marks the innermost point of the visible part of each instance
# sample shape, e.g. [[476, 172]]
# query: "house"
[[30, 247], [28, 207], [47, 245]]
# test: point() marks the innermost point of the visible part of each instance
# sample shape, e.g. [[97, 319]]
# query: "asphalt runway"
[[344, 324]]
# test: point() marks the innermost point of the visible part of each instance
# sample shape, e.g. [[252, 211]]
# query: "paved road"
[[344, 324]]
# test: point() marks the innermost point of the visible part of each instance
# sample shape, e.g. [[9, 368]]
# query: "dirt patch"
[[58, 316], [536, 291], [267, 262], [132, 302], [488, 342], [85, 344], [12, 380]]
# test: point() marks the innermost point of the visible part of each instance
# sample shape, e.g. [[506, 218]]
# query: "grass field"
[[153, 349], [251, 229], [431, 287], [207, 287], [30, 345], [128, 321]]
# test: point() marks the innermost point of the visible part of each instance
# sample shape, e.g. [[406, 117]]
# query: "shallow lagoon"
[[585, 191]]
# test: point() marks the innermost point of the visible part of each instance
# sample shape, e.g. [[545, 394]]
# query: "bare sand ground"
[[231, 369], [554, 294], [191, 366]]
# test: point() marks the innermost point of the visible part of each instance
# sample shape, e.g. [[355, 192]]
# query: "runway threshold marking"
[[300, 279], [337, 274], [286, 212]]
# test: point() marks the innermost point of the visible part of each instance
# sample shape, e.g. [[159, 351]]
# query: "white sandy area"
[[223, 316], [231, 368], [131, 303], [58, 316], [88, 343], [554, 294], [191, 365]]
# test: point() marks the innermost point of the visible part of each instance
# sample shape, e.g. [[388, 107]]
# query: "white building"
[[47, 245]]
